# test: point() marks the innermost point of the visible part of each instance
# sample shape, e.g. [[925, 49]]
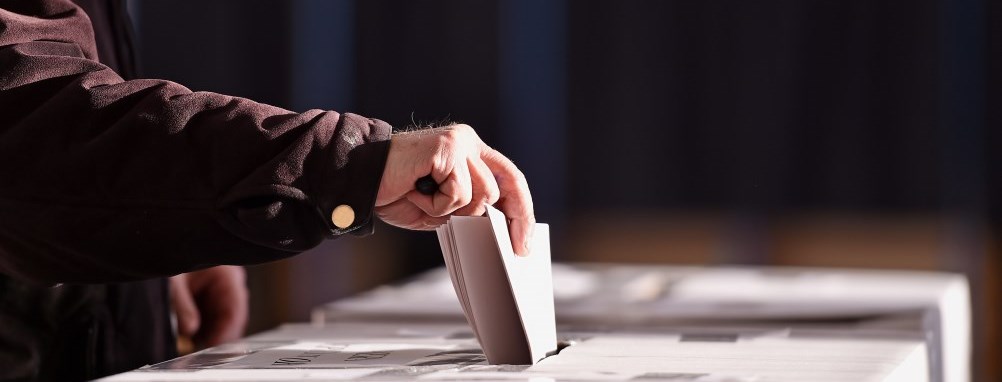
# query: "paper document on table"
[[507, 299]]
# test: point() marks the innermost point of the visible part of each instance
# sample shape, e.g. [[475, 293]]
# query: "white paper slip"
[[507, 299]]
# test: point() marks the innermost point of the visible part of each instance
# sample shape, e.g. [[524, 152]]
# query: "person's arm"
[[103, 179]]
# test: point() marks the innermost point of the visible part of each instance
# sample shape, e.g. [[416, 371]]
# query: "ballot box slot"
[[561, 345]]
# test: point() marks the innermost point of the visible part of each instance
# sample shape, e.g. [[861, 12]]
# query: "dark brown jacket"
[[105, 180]]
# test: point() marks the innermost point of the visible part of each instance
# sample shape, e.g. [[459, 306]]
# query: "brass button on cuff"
[[343, 216]]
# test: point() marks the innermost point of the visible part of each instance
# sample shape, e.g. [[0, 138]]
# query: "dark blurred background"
[[855, 133]]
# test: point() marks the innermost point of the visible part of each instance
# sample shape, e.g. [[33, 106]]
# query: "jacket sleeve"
[[106, 180]]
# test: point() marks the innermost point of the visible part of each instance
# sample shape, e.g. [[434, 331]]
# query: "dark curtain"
[[772, 106], [776, 105]]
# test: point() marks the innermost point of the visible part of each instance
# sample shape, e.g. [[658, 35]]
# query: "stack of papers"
[[507, 299]]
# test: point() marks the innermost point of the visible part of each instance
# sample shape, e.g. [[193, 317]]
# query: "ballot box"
[[389, 351], [620, 322], [932, 305]]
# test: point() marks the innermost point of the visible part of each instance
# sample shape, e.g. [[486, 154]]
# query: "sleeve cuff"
[[360, 146]]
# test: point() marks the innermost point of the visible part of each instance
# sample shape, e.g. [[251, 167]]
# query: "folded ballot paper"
[[507, 299]]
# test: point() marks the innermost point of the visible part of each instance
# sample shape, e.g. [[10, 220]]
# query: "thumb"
[[183, 304]]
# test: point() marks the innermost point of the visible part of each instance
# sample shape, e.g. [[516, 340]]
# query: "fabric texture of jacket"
[[108, 180]]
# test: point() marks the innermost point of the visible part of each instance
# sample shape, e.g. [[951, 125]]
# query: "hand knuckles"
[[470, 132], [465, 199], [445, 142], [458, 134], [454, 201], [492, 195], [463, 128]]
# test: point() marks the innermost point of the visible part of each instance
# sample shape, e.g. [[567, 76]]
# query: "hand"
[[470, 175], [210, 304]]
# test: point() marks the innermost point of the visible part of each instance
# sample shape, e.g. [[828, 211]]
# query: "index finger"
[[515, 200]]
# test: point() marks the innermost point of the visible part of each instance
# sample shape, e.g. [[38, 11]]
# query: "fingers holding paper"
[[515, 200], [470, 176], [485, 189]]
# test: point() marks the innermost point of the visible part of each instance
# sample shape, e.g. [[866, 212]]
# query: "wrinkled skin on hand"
[[470, 174]]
